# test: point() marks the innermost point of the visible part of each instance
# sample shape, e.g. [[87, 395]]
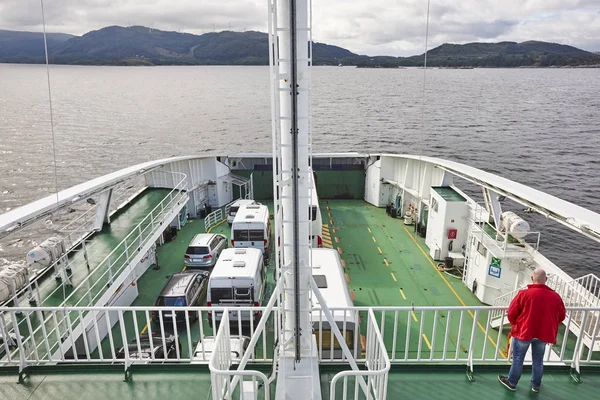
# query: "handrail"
[[379, 383], [419, 334], [82, 263], [136, 233], [220, 362], [217, 216], [140, 237], [213, 219]]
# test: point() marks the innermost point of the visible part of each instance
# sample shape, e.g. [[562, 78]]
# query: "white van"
[[314, 213], [251, 228], [328, 273], [233, 209], [238, 279]]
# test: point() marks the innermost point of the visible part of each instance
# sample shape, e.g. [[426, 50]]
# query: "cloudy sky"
[[372, 27]]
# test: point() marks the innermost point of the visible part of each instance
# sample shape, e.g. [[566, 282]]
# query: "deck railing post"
[[22, 358], [578, 351]]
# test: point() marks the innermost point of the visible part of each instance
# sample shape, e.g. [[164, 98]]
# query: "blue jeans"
[[520, 348]]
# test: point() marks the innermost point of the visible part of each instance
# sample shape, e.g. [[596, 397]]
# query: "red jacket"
[[536, 313]]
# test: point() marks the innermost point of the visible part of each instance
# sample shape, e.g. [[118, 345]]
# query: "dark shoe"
[[504, 380], [535, 389]]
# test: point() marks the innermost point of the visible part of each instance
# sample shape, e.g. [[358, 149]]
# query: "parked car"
[[184, 289], [151, 351], [204, 349], [204, 249]]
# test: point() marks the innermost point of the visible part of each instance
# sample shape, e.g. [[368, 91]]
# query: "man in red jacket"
[[535, 314]]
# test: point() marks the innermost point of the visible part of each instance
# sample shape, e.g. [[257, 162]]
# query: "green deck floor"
[[387, 265], [194, 383]]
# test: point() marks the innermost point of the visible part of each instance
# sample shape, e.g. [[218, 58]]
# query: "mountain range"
[[138, 45]]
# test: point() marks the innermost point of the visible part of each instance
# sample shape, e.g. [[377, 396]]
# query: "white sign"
[[494, 271]]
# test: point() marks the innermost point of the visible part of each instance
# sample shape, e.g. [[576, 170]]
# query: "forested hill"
[[138, 45], [115, 45], [28, 45]]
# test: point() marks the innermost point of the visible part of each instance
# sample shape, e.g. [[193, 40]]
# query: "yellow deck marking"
[[402, 293], [214, 226], [427, 341], [331, 222], [337, 239], [394, 276], [325, 226], [347, 278], [363, 342], [334, 230], [414, 316], [343, 263], [330, 215], [380, 252], [369, 229], [339, 249], [386, 263], [492, 341], [146, 327], [373, 237]]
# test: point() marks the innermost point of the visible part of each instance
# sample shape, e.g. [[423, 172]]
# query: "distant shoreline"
[[593, 66]]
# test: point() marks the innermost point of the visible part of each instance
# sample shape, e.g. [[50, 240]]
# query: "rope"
[[442, 267], [50, 103]]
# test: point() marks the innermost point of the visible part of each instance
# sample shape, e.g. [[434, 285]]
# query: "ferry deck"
[[386, 265]]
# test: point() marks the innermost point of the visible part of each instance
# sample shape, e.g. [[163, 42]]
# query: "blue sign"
[[494, 271]]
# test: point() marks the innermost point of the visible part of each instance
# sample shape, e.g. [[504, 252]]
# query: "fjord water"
[[539, 127]]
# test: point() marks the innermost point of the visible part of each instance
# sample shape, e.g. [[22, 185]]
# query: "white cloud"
[[373, 27]]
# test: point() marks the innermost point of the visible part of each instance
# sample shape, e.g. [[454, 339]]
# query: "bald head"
[[539, 276]]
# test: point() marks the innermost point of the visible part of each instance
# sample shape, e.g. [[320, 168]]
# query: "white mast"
[[293, 95], [298, 366]]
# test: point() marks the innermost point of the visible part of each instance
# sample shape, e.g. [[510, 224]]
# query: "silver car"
[[204, 249]]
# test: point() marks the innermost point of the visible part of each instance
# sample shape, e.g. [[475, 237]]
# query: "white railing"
[[214, 218], [444, 335], [589, 289], [93, 286], [580, 292], [219, 215], [555, 282], [58, 339], [220, 364], [377, 363], [500, 244], [111, 265], [123, 253]]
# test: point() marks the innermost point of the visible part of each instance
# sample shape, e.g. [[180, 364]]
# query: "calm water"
[[540, 127]]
